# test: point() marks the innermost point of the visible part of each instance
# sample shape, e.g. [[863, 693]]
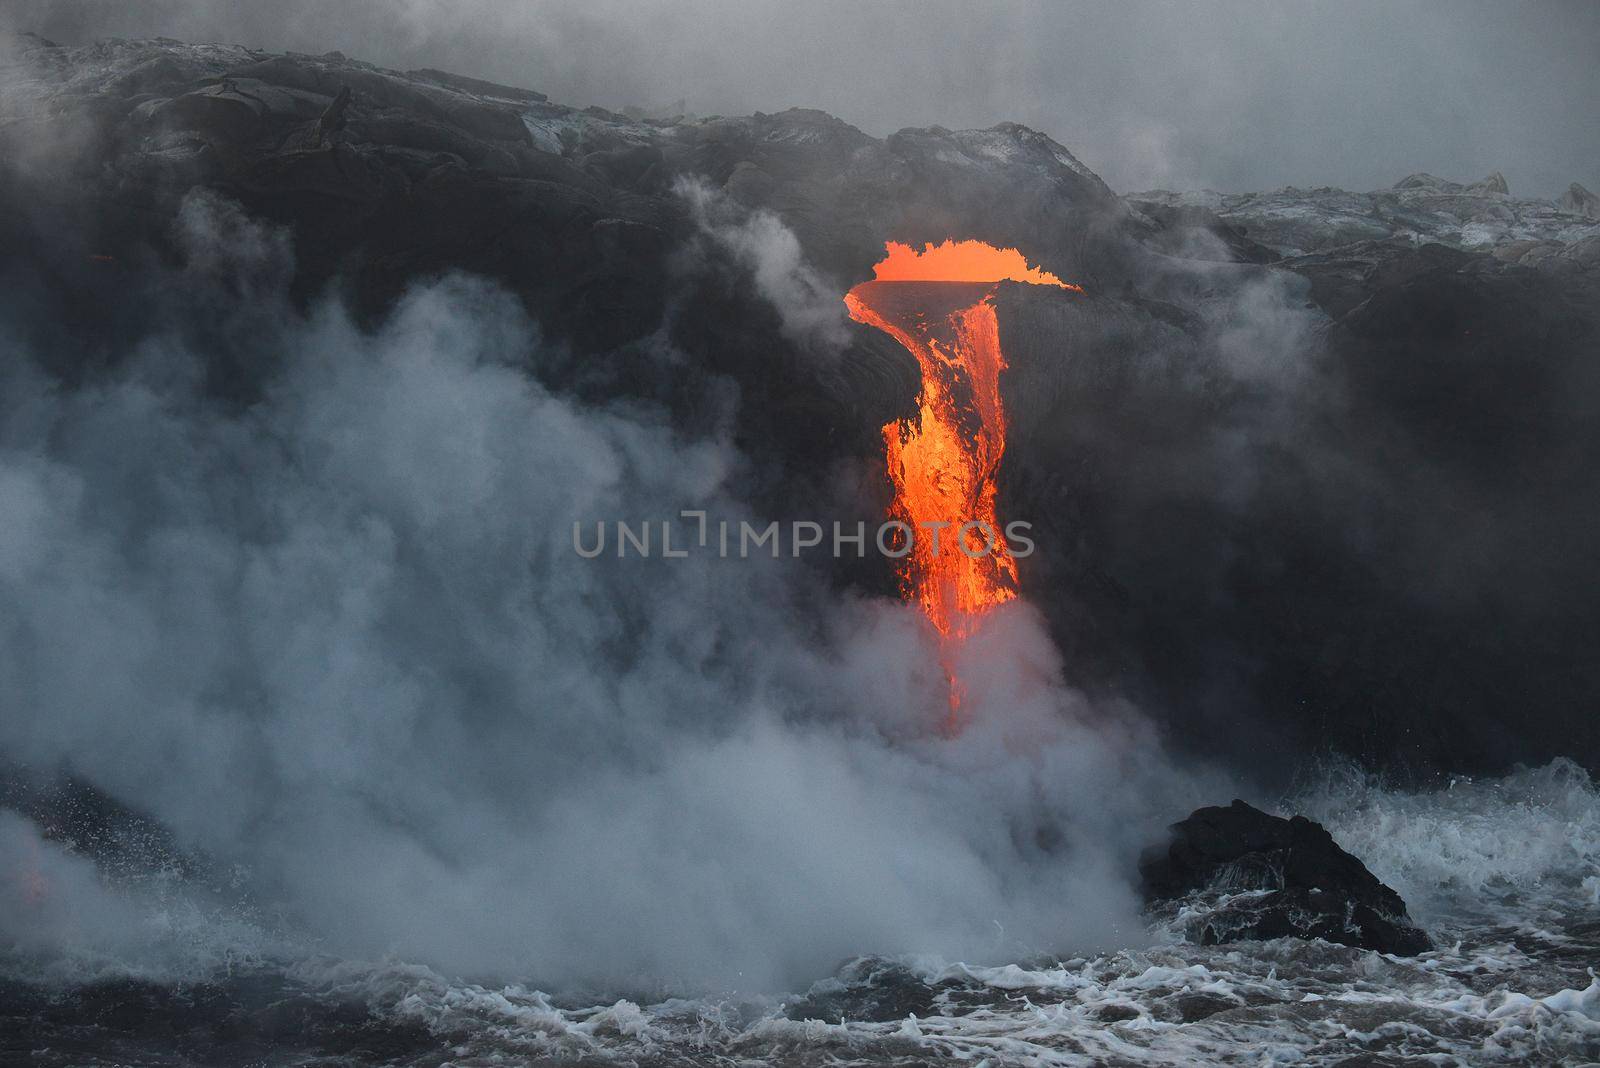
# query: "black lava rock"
[[1275, 878]]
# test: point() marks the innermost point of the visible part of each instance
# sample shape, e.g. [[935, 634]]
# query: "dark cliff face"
[[1392, 557], [1305, 469]]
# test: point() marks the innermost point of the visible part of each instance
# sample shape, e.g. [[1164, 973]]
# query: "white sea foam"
[[1530, 838], [1513, 984], [1284, 1002]]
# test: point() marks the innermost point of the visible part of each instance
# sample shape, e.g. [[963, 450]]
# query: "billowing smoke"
[[810, 312], [335, 638]]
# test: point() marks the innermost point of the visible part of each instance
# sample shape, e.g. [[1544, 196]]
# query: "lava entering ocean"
[[939, 304]]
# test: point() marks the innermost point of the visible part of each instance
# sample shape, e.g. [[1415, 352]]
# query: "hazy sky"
[[1231, 96]]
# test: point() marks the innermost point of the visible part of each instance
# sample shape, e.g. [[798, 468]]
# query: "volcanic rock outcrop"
[[1579, 201], [1419, 209], [1257, 876]]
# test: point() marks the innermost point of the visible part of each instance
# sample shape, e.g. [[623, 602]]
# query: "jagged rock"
[[1494, 184], [332, 120], [1430, 182], [1418, 209], [1580, 201], [1269, 877]]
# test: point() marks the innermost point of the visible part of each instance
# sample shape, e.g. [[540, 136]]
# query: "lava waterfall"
[[939, 304]]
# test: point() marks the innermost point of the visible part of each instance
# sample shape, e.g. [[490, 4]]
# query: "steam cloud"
[[338, 637], [809, 310]]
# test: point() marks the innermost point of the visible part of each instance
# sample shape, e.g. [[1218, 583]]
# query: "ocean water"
[[1503, 873]]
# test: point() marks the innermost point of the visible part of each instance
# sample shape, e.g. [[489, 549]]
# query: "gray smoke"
[[810, 313]]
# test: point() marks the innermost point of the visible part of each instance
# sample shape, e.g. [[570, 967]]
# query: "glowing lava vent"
[[939, 304]]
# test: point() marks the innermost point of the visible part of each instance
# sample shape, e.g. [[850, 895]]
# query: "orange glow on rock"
[[942, 462]]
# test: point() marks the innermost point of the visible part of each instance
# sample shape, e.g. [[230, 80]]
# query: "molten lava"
[[960, 261], [939, 304]]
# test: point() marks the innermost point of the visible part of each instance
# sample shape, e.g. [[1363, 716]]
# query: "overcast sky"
[[1233, 96]]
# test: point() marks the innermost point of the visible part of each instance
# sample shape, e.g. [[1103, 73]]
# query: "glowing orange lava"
[[939, 304], [960, 261]]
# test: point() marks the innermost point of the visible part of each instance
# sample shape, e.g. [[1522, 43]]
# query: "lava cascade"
[[939, 304]]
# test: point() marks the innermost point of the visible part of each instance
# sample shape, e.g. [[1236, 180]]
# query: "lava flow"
[[939, 304]]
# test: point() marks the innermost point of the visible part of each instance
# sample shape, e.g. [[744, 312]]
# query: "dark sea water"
[[1504, 874]]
